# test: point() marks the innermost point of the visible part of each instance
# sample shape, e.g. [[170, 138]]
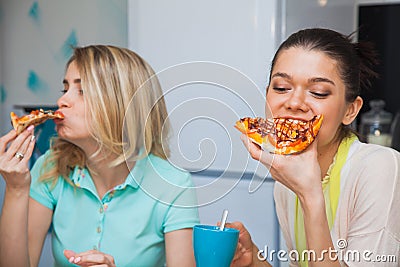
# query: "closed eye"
[[64, 91], [280, 89], [320, 95]]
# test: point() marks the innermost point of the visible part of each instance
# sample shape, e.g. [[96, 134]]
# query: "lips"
[[57, 120], [59, 112]]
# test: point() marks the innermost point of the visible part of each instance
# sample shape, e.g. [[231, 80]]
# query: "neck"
[[326, 155], [105, 177]]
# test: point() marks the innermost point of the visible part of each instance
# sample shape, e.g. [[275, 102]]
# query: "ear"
[[352, 111]]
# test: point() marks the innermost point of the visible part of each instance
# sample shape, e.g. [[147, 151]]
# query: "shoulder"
[[167, 171], [167, 183], [44, 191], [370, 151], [371, 174], [40, 160], [39, 166], [370, 188], [370, 159]]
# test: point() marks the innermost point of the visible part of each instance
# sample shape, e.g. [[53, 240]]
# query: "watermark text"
[[331, 254]]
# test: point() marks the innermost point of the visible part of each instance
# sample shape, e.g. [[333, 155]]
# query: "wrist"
[[312, 201], [17, 191]]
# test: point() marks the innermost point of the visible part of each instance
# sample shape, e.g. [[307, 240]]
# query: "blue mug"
[[213, 247]]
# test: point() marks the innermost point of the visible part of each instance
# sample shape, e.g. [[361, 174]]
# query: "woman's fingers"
[[30, 146], [90, 258], [20, 144], [14, 156], [4, 140], [256, 152], [238, 252], [244, 250], [69, 253]]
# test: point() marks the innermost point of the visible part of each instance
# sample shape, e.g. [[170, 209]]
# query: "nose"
[[296, 101], [63, 101]]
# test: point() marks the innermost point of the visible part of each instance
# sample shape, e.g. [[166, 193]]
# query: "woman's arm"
[[39, 220], [247, 253], [301, 173], [317, 230], [21, 223], [14, 216], [14, 228], [24, 224], [179, 248]]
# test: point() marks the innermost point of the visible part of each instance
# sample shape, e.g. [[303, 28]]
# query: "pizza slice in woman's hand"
[[281, 135], [36, 117]]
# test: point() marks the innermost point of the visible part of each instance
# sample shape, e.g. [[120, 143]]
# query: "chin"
[[62, 134]]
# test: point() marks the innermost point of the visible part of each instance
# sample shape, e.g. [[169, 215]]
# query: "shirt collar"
[[135, 176], [80, 177]]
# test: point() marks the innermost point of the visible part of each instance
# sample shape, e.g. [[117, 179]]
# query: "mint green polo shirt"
[[129, 222]]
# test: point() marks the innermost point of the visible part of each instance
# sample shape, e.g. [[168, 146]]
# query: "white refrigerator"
[[212, 59]]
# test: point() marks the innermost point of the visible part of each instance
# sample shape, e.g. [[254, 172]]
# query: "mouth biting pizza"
[[36, 117], [281, 135]]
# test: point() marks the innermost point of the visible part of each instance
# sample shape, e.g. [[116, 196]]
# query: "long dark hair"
[[355, 60]]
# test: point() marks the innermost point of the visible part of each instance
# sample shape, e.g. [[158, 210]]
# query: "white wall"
[[35, 41], [35, 37]]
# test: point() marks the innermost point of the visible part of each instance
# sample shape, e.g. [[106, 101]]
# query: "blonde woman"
[[95, 185]]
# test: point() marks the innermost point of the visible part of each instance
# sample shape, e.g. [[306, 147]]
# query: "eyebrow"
[[319, 80], [282, 75], [75, 81], [311, 80]]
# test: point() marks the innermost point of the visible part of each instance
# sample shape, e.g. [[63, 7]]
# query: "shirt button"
[[99, 229], [101, 210]]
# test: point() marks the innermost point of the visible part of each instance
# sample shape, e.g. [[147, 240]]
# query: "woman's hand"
[[15, 152], [244, 251], [90, 258], [301, 173], [247, 253]]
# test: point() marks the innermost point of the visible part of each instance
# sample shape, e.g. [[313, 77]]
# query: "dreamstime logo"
[[341, 254], [204, 100]]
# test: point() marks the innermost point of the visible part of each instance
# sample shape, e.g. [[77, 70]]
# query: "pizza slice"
[[36, 117], [281, 135]]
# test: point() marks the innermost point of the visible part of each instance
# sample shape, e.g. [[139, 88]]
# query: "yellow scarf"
[[331, 188]]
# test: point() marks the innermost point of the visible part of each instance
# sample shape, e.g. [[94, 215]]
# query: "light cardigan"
[[368, 213]]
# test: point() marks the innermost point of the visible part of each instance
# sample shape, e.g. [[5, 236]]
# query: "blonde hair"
[[124, 102]]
